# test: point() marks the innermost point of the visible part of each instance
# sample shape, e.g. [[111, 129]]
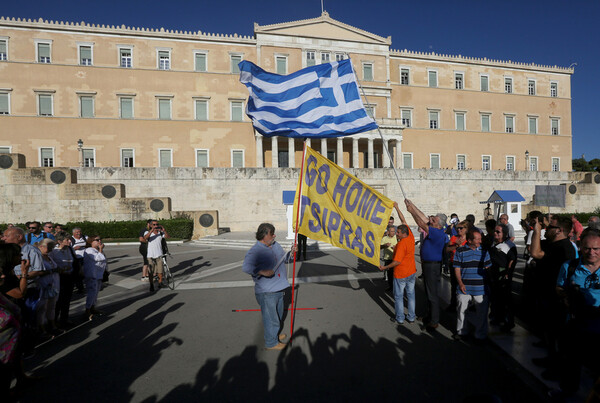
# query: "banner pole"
[[299, 196], [385, 147]]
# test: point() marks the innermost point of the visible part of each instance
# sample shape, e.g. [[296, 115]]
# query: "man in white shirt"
[[154, 237]]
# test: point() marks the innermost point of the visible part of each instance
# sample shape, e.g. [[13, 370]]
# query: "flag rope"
[[299, 196], [381, 135]]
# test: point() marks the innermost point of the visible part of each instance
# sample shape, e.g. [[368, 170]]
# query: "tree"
[[595, 164], [580, 164]]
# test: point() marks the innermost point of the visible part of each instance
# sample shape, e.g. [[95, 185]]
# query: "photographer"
[[578, 286], [154, 238]]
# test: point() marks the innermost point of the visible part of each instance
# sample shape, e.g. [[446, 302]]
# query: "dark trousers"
[[432, 275], [389, 273], [64, 297], [578, 346], [453, 286], [301, 246], [501, 301], [78, 275]]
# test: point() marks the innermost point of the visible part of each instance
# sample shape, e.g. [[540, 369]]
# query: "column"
[[371, 162], [340, 152], [385, 157], [291, 153], [354, 152], [399, 159], [259, 150], [274, 152], [324, 147]]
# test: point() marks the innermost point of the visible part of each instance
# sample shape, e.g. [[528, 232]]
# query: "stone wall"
[[244, 197]]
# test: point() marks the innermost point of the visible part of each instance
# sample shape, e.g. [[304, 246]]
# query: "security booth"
[[288, 202], [509, 202]]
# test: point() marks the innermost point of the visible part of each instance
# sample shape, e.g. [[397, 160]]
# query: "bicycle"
[[167, 275]]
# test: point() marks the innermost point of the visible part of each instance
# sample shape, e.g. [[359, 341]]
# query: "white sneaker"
[[144, 279]]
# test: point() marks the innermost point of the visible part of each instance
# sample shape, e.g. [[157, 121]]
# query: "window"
[[43, 52], [510, 163], [532, 125], [485, 122], [164, 108], [85, 55], [460, 121], [459, 81], [404, 76], [555, 164], [237, 158], [46, 157], [126, 107], [432, 75], [531, 87], [367, 71], [202, 158], [5, 150], [434, 161], [486, 162], [201, 106], [310, 58], [370, 110], [45, 105], [325, 57], [165, 158], [281, 62], [485, 83], [86, 106], [237, 108], [4, 103], [553, 89], [339, 57], [89, 160], [461, 162], [283, 158], [127, 157], [200, 61], [407, 161], [235, 60], [433, 119], [3, 49], [406, 117], [125, 55], [554, 127], [508, 85], [164, 59], [509, 124], [533, 163]]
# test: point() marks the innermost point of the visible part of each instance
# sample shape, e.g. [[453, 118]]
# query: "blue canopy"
[[504, 196]]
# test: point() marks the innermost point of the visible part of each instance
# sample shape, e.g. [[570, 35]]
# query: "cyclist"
[[154, 237]]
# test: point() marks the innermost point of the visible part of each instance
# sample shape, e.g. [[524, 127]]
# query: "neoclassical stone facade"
[[139, 97]]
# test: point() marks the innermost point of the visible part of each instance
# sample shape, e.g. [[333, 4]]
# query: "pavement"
[[204, 341]]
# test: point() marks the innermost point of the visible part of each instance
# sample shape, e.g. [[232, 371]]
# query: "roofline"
[[323, 18]]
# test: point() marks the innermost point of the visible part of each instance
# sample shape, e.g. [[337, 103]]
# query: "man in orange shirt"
[[405, 271]]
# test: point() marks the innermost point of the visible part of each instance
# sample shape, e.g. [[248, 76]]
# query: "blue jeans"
[[408, 284], [271, 307]]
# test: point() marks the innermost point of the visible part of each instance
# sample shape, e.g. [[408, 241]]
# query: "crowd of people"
[[561, 289], [40, 267]]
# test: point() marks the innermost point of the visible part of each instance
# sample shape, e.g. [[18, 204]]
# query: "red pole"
[[299, 195]]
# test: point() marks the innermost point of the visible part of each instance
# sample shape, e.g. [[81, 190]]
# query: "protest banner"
[[337, 208]]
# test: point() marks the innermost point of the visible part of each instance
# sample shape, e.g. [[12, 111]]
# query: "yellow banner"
[[339, 209]]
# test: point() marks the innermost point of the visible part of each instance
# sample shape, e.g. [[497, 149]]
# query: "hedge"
[[177, 228]]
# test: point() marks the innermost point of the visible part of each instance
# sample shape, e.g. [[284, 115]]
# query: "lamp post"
[[526, 160], [80, 149]]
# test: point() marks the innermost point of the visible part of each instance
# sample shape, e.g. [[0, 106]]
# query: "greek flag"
[[316, 102]]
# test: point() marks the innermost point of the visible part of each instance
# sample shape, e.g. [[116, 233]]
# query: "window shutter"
[[43, 50], [165, 159], [45, 105], [126, 108], [202, 158], [201, 110], [87, 107], [3, 103], [164, 109], [200, 62]]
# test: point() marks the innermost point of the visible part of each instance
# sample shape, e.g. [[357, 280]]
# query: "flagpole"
[[385, 147], [299, 195]]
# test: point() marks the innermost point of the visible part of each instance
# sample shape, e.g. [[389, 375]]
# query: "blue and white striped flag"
[[316, 102]]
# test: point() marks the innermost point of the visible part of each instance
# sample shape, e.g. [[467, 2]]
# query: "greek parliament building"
[[79, 94]]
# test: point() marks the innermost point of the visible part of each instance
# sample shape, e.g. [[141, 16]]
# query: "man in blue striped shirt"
[[470, 266]]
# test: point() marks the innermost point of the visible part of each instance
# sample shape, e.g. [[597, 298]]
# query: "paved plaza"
[[193, 344]]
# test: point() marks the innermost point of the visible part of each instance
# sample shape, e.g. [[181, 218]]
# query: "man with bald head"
[[511, 230], [431, 261]]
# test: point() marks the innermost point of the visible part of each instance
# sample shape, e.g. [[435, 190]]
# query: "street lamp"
[[80, 149], [526, 160]]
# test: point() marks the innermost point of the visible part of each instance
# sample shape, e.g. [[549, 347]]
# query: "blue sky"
[[547, 32]]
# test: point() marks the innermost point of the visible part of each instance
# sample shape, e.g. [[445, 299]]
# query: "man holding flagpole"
[[265, 262], [431, 261]]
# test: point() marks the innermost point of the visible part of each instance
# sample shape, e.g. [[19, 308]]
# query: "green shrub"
[[177, 228]]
